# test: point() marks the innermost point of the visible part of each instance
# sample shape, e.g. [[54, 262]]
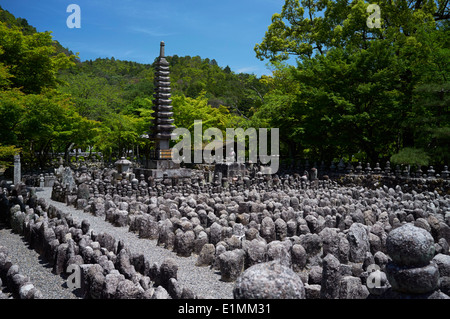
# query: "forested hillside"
[[22, 24], [62, 103], [117, 84]]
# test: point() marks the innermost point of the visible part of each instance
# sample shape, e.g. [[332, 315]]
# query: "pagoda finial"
[[161, 51]]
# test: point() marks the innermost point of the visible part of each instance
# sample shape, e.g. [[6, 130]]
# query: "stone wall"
[[16, 283], [330, 236], [108, 269], [408, 184]]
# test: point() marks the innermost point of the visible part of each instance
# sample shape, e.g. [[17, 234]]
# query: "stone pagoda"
[[160, 162], [162, 105]]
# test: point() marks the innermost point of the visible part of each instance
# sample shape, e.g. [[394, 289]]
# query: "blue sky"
[[226, 31]]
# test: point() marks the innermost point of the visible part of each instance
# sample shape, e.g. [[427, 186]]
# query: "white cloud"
[[127, 53], [150, 32], [248, 69]]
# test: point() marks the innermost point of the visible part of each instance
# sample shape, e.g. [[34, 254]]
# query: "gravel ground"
[[31, 265], [203, 281]]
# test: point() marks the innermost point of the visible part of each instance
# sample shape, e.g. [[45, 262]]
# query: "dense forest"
[[357, 93], [361, 93]]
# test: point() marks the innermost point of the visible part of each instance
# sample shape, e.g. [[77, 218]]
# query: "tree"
[[187, 110], [94, 98], [410, 156], [34, 117], [6, 153], [357, 89], [41, 123], [123, 131], [278, 110], [51, 102], [118, 134], [308, 27], [31, 59]]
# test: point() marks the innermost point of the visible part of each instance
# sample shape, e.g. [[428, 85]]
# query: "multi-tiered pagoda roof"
[[162, 104]]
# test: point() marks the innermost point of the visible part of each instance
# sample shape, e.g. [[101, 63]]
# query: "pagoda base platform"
[[230, 169], [162, 164], [159, 168]]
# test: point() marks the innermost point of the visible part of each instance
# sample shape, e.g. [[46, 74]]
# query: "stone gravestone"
[[49, 180], [269, 280], [67, 178], [17, 170], [411, 270], [41, 181], [59, 171]]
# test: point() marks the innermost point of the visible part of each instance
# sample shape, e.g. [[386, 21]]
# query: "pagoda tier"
[[162, 104]]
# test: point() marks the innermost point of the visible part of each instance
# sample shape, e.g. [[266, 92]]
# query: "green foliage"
[[22, 25], [410, 156], [5, 76], [119, 95], [94, 98], [39, 123], [305, 28], [279, 111], [187, 110], [31, 59], [120, 131], [34, 117], [6, 154], [242, 93], [12, 21], [356, 91]]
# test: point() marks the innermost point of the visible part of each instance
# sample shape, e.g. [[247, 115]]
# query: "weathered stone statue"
[[17, 170]]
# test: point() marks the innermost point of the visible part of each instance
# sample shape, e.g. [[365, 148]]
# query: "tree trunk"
[[66, 153]]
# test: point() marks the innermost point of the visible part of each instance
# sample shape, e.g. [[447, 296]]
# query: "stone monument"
[[163, 122], [161, 163], [412, 273], [17, 170], [67, 179]]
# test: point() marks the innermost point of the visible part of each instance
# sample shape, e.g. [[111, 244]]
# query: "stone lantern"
[[123, 165]]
